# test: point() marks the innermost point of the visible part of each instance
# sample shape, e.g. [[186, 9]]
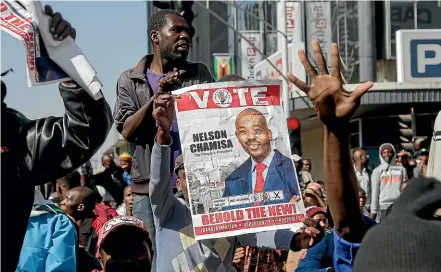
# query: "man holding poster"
[[267, 169], [179, 250]]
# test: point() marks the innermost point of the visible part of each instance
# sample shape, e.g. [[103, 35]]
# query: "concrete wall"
[[312, 148]]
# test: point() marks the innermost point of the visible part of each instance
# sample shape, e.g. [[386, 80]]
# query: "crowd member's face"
[[62, 191], [174, 39], [254, 136], [128, 197], [362, 198], [310, 199], [364, 157], [307, 165], [182, 183], [298, 165], [108, 162], [402, 159], [125, 165], [322, 219], [424, 157], [387, 154], [72, 203]]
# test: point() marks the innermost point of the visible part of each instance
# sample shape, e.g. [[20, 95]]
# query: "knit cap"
[[409, 238]]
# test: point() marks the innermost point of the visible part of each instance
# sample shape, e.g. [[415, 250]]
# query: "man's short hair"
[[71, 180], [159, 19]]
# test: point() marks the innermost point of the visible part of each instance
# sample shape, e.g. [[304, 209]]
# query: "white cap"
[[296, 157]]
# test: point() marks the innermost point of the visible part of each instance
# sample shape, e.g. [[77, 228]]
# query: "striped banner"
[[223, 65]]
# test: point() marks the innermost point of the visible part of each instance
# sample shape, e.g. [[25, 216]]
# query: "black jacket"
[[112, 180], [36, 151], [133, 92]]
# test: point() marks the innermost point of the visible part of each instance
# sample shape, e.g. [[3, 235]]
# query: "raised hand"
[[163, 111], [59, 28], [332, 103]]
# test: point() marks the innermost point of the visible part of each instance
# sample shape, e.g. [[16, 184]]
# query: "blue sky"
[[113, 36]]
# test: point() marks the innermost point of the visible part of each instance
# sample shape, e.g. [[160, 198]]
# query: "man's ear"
[[154, 36], [270, 135]]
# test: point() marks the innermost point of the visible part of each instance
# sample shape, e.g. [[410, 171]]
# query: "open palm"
[[332, 103]]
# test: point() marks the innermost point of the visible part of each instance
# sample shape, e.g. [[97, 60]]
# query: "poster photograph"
[[235, 144]]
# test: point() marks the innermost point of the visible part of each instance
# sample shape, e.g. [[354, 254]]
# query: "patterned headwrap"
[[126, 156]]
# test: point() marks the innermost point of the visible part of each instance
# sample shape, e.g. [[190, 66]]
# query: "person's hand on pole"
[[332, 103]]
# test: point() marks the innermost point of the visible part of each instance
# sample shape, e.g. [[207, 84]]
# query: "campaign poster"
[[239, 172]]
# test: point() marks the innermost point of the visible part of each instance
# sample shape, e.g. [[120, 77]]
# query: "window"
[[409, 15], [355, 139]]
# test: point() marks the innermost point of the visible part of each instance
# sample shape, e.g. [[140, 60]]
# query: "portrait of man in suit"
[[266, 169]]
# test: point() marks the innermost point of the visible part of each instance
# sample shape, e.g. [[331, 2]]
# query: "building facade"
[[377, 120]]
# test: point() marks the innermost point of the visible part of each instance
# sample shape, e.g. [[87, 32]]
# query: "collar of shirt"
[[362, 171], [267, 161]]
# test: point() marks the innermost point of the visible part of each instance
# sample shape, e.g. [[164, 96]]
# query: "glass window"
[[402, 16]]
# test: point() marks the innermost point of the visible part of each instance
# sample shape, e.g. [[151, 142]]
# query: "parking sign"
[[419, 55]]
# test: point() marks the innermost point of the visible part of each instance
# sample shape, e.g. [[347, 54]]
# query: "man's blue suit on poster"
[[280, 176]]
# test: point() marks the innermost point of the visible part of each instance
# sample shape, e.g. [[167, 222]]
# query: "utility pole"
[[366, 38], [285, 61]]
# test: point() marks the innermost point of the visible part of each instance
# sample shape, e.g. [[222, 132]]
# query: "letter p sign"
[[425, 58]]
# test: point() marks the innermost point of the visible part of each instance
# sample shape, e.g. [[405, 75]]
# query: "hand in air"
[[163, 111], [59, 27], [332, 103]]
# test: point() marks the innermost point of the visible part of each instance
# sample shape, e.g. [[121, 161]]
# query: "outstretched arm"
[[58, 145], [335, 107], [161, 192]]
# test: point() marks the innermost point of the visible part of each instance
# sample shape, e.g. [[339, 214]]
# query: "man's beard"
[[170, 55]]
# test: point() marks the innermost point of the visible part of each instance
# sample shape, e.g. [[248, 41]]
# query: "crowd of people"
[[129, 218]]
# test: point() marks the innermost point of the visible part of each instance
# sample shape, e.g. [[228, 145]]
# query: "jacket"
[[50, 240], [386, 182], [280, 176], [132, 92], [36, 151]]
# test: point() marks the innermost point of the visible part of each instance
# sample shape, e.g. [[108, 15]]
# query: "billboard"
[[264, 70], [249, 55]]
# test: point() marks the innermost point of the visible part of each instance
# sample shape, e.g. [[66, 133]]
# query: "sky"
[[112, 35]]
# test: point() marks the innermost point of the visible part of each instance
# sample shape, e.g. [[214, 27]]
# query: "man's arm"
[[128, 118], [161, 192], [335, 107], [342, 187], [58, 145], [61, 256], [375, 197], [160, 188], [126, 114]]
